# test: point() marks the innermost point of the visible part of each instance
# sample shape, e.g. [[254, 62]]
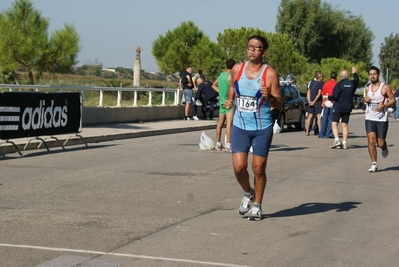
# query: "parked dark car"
[[358, 102], [293, 111]]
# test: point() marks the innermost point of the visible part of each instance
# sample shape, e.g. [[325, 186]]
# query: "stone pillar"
[[137, 68]]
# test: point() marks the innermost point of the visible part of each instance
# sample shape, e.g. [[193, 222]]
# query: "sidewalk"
[[109, 132]]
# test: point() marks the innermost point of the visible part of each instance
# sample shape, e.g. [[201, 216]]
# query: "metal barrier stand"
[[15, 146], [78, 135]]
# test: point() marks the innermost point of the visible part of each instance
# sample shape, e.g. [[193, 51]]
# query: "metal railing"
[[119, 90]]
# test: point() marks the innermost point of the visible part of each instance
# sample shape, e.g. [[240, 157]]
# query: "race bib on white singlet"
[[247, 103], [373, 106]]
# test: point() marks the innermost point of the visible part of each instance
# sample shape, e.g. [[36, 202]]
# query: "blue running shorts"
[[260, 140]]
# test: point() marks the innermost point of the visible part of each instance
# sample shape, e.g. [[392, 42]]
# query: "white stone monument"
[[137, 68]]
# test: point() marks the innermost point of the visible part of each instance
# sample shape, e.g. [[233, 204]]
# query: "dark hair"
[[200, 72], [261, 39], [333, 75], [374, 68], [230, 63]]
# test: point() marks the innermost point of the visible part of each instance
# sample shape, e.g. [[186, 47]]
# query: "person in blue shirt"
[[343, 94], [253, 92], [207, 96], [396, 108], [314, 97], [187, 86]]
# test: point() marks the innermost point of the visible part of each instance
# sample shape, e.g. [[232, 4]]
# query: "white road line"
[[54, 249], [122, 255]]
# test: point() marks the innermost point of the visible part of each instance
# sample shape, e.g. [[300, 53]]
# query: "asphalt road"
[[160, 201]]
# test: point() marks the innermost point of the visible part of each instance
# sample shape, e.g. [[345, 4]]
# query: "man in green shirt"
[[221, 85]]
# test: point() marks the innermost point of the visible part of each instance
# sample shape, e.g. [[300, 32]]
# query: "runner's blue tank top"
[[252, 111]]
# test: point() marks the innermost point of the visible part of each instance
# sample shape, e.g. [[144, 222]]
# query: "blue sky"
[[111, 30]]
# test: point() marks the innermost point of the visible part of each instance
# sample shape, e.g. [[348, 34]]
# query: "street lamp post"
[[384, 56], [386, 80]]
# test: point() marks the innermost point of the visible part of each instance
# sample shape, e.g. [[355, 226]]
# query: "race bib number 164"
[[247, 104]]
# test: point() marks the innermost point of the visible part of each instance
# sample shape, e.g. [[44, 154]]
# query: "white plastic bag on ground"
[[206, 143], [276, 128]]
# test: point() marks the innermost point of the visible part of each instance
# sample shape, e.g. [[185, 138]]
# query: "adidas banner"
[[30, 114]]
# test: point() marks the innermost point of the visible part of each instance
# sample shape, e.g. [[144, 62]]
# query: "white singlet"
[[376, 99]]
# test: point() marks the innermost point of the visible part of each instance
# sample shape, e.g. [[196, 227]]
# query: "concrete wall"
[[102, 115]]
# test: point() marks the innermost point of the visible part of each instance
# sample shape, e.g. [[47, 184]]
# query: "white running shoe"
[[384, 152], [374, 168], [336, 144], [195, 118], [344, 146], [227, 148], [246, 203], [256, 214], [219, 147]]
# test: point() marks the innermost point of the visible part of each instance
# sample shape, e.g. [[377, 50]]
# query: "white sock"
[[255, 204]]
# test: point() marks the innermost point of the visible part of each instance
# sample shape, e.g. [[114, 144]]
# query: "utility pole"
[[385, 58], [386, 80]]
